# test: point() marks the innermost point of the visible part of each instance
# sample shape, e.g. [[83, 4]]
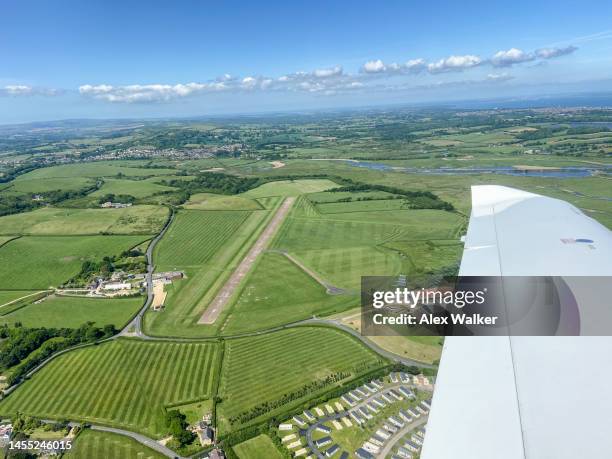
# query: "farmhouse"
[[117, 286], [206, 436]]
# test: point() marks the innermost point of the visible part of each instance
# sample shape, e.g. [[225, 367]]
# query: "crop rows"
[[196, 236], [123, 383], [263, 369]]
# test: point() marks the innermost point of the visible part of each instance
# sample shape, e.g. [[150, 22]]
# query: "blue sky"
[[100, 59]]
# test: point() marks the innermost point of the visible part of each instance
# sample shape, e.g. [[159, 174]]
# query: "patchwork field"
[[123, 383], [70, 312], [257, 447], [61, 221], [267, 374], [37, 262], [93, 444]]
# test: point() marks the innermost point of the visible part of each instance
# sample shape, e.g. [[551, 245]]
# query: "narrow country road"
[[134, 327], [223, 296]]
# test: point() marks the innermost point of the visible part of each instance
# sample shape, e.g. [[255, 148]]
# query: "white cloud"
[[323, 81], [499, 77], [549, 53], [18, 90], [147, 93], [510, 57], [26, 90], [415, 65], [376, 66], [454, 63], [327, 73]]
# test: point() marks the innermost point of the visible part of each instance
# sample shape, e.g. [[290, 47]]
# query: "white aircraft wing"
[[525, 397]]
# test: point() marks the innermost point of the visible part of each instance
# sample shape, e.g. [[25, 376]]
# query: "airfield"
[[259, 316]]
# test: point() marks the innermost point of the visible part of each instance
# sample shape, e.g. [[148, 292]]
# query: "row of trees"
[[414, 199]]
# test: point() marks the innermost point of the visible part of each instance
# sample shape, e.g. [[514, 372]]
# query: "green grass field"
[[7, 296], [38, 185], [5, 239], [124, 383], [260, 447], [262, 369], [93, 169], [195, 236], [330, 196], [356, 241], [361, 206], [136, 188], [290, 188], [278, 292], [91, 444], [70, 312], [209, 201], [50, 221], [38, 262]]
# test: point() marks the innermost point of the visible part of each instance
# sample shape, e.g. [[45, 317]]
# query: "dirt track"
[[216, 306]]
